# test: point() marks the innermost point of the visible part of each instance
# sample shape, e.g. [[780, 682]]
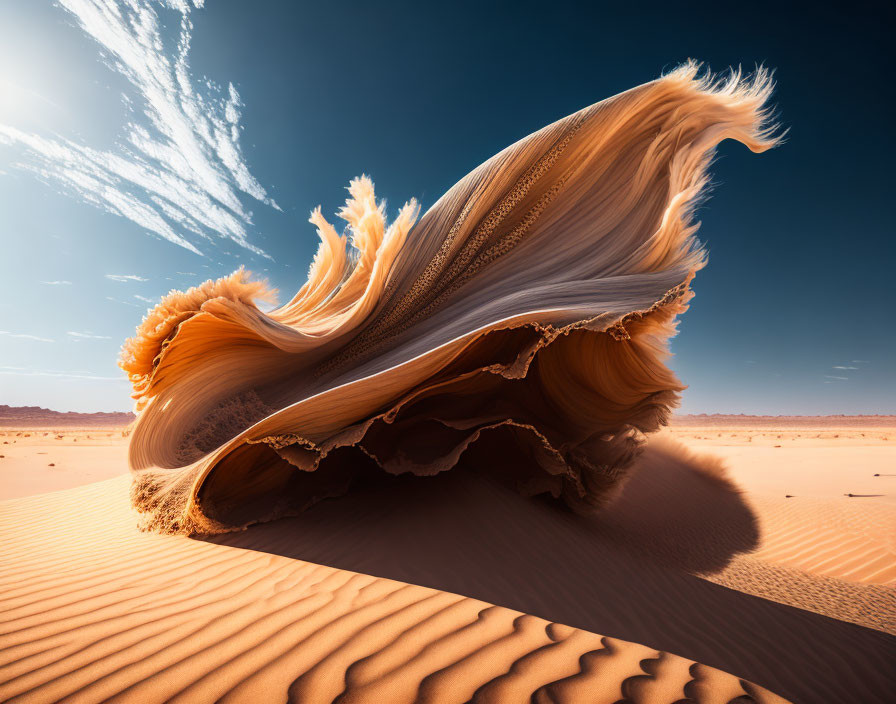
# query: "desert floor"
[[763, 550]]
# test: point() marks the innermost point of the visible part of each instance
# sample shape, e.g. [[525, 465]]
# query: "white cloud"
[[144, 299], [57, 283], [180, 171], [843, 367], [88, 336], [22, 371], [24, 336], [840, 378], [118, 300], [125, 277]]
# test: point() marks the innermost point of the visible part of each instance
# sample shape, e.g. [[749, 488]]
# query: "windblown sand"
[[719, 568]]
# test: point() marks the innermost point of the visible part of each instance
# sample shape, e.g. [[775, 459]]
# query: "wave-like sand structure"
[[536, 295]]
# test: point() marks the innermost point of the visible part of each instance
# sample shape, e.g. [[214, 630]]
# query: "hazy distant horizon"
[[677, 413]]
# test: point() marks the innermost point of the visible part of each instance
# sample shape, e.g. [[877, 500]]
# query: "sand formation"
[[535, 296]]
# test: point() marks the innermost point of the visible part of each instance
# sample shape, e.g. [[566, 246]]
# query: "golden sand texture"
[[824, 494], [832, 555], [38, 460], [95, 610], [92, 607]]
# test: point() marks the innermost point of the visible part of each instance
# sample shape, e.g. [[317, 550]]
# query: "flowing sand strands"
[[537, 294]]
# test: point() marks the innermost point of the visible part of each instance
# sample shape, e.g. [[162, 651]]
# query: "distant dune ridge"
[[536, 295], [740, 420], [37, 417]]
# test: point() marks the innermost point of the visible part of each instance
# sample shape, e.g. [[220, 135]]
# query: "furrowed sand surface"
[[823, 491], [323, 606], [117, 614]]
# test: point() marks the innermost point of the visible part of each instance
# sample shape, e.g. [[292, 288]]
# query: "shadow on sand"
[[626, 574]]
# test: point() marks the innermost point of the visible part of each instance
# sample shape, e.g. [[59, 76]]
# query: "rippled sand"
[[360, 598]]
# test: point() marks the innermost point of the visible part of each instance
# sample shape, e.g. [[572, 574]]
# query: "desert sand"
[[37, 461], [743, 554]]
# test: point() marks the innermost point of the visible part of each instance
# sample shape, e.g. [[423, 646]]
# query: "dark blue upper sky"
[[794, 313]]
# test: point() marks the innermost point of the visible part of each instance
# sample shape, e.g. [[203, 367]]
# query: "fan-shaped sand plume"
[[536, 294]]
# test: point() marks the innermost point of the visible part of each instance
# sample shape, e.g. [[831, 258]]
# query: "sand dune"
[[824, 496], [852, 541], [324, 605], [33, 417], [835, 423], [831, 556], [94, 610]]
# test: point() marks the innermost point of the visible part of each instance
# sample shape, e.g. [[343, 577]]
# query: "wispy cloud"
[[118, 300], [860, 361], [57, 283], [23, 371], [840, 378], [125, 277], [88, 336], [144, 299], [179, 172], [843, 367], [24, 336]]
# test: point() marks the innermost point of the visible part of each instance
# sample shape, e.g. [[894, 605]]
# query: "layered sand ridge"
[[535, 295]]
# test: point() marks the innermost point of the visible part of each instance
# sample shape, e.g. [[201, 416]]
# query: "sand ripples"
[[120, 615]]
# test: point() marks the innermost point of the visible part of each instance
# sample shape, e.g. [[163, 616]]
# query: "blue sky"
[[146, 146]]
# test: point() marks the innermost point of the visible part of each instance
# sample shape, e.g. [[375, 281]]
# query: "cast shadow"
[[627, 574], [681, 510]]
